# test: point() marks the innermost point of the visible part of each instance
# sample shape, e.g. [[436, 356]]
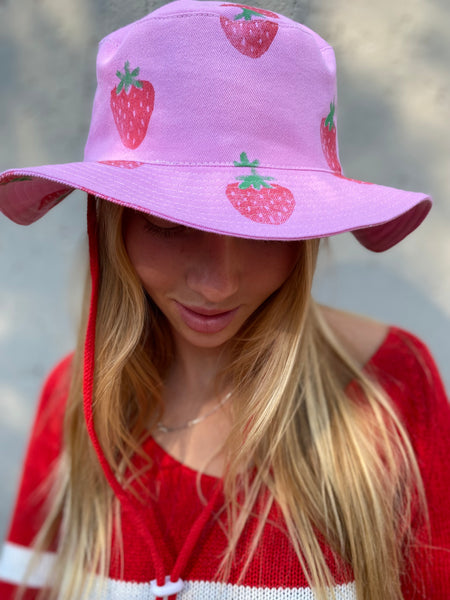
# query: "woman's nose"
[[215, 267]]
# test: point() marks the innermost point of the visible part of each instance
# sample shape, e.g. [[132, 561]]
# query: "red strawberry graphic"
[[328, 137], [53, 198], [252, 37], [258, 200], [132, 104]]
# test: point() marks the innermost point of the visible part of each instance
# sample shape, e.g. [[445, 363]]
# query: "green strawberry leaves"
[[254, 180], [329, 121], [247, 15], [128, 79], [245, 162]]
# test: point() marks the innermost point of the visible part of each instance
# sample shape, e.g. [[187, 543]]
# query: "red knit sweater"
[[406, 370]]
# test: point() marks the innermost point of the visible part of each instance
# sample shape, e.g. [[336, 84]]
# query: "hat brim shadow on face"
[[296, 204]]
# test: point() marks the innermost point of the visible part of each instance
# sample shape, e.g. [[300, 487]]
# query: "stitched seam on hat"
[[211, 165], [29, 170]]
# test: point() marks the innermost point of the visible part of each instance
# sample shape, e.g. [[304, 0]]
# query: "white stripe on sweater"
[[14, 561], [207, 590]]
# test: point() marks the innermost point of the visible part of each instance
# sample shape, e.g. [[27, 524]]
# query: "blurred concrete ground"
[[394, 94]]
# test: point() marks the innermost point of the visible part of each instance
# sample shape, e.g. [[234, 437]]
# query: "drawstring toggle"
[[168, 589]]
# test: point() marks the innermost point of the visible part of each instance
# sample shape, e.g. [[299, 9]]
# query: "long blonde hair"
[[334, 457]]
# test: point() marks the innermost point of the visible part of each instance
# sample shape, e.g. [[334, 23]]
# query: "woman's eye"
[[163, 230]]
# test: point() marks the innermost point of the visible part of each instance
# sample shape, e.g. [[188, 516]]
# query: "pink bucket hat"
[[222, 117]]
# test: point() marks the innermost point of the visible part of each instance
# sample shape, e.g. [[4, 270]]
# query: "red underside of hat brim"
[[321, 203]]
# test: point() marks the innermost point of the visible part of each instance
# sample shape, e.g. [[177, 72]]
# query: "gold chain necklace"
[[163, 429]]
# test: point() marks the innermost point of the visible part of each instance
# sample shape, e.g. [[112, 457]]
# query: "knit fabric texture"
[[406, 370]]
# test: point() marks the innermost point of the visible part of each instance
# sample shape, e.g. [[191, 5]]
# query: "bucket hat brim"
[[208, 198]]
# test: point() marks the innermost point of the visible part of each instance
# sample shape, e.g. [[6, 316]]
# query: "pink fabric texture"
[[224, 118]]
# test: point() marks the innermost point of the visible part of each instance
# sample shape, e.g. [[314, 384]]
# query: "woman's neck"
[[190, 392], [194, 370]]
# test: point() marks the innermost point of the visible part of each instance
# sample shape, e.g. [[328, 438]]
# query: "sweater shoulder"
[[405, 367], [52, 401]]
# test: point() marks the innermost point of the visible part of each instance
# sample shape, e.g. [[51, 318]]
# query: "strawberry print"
[[50, 200], [328, 137], [251, 36], [132, 104], [258, 200], [123, 164]]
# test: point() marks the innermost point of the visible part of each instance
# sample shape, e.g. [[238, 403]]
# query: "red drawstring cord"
[[122, 496], [193, 536], [88, 387]]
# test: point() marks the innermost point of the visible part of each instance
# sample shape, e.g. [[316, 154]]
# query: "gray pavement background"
[[394, 94]]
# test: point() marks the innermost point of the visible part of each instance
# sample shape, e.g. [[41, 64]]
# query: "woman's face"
[[207, 285]]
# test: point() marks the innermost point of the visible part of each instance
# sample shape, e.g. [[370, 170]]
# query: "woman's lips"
[[205, 321]]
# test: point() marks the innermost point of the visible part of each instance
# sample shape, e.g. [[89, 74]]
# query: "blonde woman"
[[216, 433]]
